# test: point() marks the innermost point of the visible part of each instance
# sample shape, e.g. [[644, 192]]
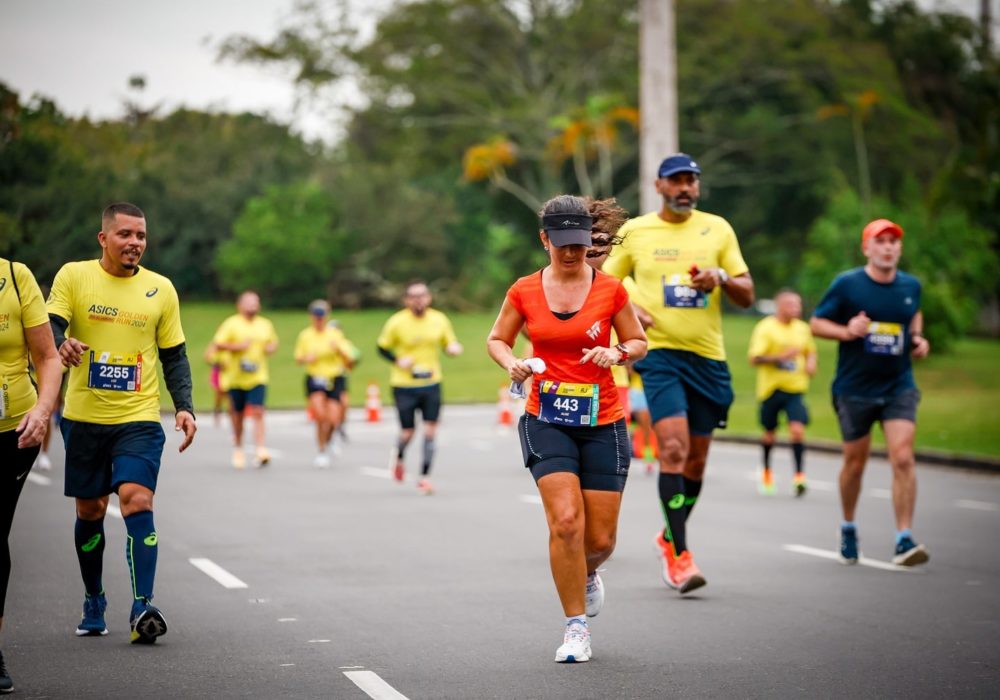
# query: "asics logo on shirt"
[[152, 292], [3, 283], [103, 310], [594, 330]]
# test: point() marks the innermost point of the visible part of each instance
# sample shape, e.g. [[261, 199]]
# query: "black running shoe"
[[6, 684], [147, 624]]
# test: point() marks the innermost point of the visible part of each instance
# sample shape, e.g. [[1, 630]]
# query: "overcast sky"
[[81, 53]]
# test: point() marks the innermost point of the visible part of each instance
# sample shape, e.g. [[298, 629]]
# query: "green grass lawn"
[[960, 411]]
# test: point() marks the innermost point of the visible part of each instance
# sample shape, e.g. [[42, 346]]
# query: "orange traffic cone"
[[373, 403], [505, 415]]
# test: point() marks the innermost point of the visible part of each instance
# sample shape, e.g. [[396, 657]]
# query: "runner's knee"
[[567, 525]]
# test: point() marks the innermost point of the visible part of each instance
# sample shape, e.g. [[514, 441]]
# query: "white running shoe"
[[335, 449], [595, 594], [43, 461], [576, 644], [321, 461]]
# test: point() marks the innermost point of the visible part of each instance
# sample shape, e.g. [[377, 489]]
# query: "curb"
[[947, 459]]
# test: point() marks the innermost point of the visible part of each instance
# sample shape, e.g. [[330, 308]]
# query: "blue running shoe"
[[909, 553], [92, 624], [848, 545], [147, 623]]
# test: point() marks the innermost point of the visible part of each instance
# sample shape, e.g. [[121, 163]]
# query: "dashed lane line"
[[532, 498], [374, 686], [977, 505], [214, 571], [863, 561]]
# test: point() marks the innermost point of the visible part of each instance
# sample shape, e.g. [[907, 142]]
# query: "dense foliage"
[[809, 117]]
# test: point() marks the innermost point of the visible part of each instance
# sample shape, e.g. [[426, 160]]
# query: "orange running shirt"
[[561, 343]]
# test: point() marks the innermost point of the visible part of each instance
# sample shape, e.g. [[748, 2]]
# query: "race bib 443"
[[115, 372], [568, 404], [884, 338]]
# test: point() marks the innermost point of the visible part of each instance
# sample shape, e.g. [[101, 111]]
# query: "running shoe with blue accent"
[[848, 545], [147, 623], [92, 620], [576, 644], [909, 553]]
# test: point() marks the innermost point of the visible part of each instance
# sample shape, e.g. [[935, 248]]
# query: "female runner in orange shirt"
[[573, 435]]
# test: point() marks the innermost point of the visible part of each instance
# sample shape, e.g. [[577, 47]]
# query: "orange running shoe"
[[665, 551], [425, 487], [687, 575]]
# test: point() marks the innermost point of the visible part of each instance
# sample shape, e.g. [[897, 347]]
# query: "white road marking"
[[38, 479], [863, 561], [114, 511], [880, 493], [377, 473], [532, 498], [374, 686], [319, 641], [213, 570], [977, 505], [288, 619], [818, 485], [286, 665]]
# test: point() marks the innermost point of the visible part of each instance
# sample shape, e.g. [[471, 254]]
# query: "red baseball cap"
[[880, 226]]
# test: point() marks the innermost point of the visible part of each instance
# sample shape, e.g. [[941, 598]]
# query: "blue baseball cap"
[[678, 163]]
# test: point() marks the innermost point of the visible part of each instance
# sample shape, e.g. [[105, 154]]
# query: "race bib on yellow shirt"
[[681, 296], [4, 398], [568, 404], [113, 372], [884, 338]]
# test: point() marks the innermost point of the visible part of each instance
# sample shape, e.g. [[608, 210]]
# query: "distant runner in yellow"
[[784, 352], [325, 352], [114, 322], [412, 340], [249, 339]]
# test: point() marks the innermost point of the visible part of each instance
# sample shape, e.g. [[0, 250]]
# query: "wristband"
[[624, 351]]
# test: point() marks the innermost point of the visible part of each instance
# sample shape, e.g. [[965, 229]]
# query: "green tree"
[[285, 245]]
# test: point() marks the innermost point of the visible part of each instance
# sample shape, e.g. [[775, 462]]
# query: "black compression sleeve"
[[59, 328], [387, 354], [177, 376]]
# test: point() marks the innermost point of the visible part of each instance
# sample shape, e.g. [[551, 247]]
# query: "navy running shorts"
[[857, 414], [100, 458], [679, 383], [782, 401], [329, 387], [241, 398], [599, 455], [409, 399]]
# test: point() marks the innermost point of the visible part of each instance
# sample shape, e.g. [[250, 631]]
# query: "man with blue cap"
[[682, 260]]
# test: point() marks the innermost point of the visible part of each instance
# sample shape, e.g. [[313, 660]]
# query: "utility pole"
[[657, 94], [986, 25]]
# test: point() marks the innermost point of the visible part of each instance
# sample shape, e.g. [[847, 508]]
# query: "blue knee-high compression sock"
[[428, 456], [89, 537], [674, 511], [140, 552]]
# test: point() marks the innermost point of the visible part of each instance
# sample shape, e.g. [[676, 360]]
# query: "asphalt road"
[[341, 575]]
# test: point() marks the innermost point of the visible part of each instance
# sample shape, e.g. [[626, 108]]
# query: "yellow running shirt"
[[658, 254], [17, 394], [124, 320], [421, 339], [772, 337], [329, 346], [246, 369]]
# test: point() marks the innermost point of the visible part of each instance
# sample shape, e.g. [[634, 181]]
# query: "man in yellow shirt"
[[325, 352], [412, 340], [249, 339], [113, 323], [784, 352], [682, 260]]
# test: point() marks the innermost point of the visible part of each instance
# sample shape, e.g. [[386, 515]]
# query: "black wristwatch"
[[624, 351]]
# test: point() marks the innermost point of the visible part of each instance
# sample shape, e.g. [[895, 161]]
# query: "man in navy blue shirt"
[[874, 311]]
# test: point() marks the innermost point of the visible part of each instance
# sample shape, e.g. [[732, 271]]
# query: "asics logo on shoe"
[[150, 540], [676, 502], [91, 544]]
